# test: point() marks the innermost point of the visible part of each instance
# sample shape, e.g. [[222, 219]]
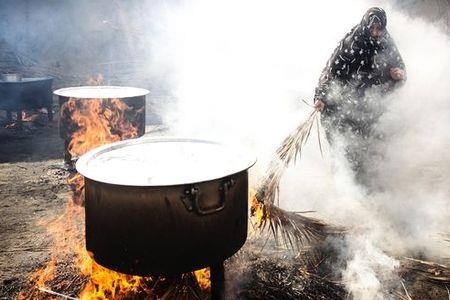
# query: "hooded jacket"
[[358, 63]]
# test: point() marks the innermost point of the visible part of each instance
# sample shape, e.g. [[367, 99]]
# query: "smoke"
[[240, 70], [415, 166], [237, 71], [413, 209]]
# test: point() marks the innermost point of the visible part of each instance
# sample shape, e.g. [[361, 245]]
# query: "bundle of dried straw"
[[293, 227]]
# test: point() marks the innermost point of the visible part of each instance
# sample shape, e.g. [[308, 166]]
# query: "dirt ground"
[[33, 188]]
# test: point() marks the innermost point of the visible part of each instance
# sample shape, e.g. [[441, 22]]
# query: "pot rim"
[[101, 92], [25, 80], [247, 160]]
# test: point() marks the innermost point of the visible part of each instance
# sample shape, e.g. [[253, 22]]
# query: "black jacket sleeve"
[[392, 59], [337, 71]]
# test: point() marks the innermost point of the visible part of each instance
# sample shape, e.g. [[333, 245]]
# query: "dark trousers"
[[360, 142]]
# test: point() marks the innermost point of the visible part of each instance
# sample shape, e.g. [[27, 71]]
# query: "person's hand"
[[397, 74], [319, 105]]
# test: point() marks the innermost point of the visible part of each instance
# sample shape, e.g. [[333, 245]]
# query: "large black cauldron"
[[165, 206]]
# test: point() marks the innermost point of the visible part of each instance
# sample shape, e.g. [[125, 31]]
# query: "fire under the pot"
[[142, 221], [25, 94], [106, 120], [91, 116]]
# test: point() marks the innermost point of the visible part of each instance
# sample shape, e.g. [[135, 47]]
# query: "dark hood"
[[374, 14]]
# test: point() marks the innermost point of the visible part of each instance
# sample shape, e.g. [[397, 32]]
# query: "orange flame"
[[33, 115], [44, 275], [27, 116], [76, 184], [257, 210], [68, 242], [203, 277], [104, 283], [98, 122], [65, 231]]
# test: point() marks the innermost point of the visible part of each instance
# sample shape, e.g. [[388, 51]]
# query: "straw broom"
[[289, 149], [293, 227]]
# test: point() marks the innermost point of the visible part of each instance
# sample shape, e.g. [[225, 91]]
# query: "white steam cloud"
[[240, 70]]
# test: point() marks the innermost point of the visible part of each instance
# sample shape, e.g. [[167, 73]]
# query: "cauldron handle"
[[225, 186], [191, 198]]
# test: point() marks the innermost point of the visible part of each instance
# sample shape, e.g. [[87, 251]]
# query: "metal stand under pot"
[[166, 206], [217, 281]]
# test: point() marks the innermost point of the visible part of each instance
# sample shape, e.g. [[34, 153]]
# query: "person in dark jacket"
[[364, 67]]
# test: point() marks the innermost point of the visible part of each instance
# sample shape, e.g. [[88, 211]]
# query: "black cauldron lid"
[[163, 161], [101, 92]]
